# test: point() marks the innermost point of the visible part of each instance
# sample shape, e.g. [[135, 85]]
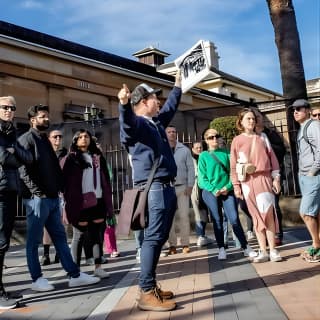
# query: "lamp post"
[[92, 114]]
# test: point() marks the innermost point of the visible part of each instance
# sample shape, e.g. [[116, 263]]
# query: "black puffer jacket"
[[10, 162]]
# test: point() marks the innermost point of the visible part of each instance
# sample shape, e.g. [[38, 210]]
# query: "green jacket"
[[211, 175]]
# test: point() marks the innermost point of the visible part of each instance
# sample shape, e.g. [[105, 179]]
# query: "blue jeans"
[[229, 205], [45, 212], [139, 236], [162, 204]]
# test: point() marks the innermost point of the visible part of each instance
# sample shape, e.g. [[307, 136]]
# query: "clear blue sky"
[[241, 30]]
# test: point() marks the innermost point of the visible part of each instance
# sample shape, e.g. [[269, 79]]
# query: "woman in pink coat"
[[253, 153]]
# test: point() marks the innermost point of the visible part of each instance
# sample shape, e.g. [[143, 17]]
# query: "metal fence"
[[121, 172]]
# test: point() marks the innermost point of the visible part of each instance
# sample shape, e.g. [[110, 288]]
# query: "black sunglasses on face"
[[298, 109], [57, 136], [217, 136], [315, 114], [12, 108]]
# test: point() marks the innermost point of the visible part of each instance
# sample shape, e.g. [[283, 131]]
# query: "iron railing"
[[121, 173]]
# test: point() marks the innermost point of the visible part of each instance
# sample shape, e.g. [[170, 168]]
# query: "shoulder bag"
[[133, 211]]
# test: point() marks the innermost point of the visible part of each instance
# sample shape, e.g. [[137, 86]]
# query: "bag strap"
[[221, 164], [253, 144], [305, 136], [151, 174]]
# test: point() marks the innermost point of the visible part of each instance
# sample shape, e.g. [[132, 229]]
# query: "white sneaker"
[[250, 235], [249, 252], [164, 253], [138, 255], [202, 241], [100, 273], [262, 257], [275, 255], [41, 284], [222, 254], [83, 280]]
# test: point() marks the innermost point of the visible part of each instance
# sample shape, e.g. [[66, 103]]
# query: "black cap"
[[142, 91], [300, 103]]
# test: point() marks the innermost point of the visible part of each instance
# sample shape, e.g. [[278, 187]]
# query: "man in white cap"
[[308, 140]]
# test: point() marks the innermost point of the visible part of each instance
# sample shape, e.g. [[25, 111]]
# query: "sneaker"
[[138, 255], [172, 250], [275, 255], [249, 252], [41, 284], [152, 301], [104, 260], [6, 302], [202, 241], [250, 235], [311, 255], [45, 260], [185, 249], [100, 273], [262, 257], [222, 254], [114, 254], [164, 253], [83, 280], [90, 262]]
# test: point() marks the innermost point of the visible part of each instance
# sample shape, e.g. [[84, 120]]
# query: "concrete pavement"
[[205, 288]]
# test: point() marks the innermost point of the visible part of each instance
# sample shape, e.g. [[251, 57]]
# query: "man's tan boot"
[[152, 301], [164, 294]]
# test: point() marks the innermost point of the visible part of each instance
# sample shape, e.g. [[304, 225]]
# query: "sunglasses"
[[11, 108], [298, 109], [315, 114], [217, 136], [57, 136]]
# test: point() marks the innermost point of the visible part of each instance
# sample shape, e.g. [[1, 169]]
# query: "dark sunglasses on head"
[[12, 108], [315, 114], [57, 136], [217, 136]]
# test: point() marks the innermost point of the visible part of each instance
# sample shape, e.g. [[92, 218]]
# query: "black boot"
[[5, 301], [45, 260]]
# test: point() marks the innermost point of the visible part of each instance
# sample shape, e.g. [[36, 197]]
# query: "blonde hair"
[[10, 98], [210, 131]]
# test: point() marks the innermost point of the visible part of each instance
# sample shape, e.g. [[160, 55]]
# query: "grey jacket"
[[309, 159], [184, 162]]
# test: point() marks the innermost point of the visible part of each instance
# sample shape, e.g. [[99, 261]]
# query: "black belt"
[[165, 182]]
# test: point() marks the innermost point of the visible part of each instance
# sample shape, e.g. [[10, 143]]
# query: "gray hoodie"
[[184, 162]]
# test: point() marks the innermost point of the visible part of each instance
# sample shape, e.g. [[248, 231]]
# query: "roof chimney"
[[151, 56]]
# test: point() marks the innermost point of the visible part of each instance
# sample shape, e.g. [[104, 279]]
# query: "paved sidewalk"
[[205, 288]]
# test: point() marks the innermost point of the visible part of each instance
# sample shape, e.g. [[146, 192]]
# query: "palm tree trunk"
[[283, 18]]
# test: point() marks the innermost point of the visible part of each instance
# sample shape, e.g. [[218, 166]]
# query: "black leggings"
[[90, 233]]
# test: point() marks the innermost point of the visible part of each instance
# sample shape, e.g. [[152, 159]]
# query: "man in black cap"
[[308, 140], [142, 132]]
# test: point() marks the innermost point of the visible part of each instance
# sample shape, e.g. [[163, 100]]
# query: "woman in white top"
[[87, 195]]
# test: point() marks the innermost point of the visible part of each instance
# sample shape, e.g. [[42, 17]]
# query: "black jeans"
[[8, 209]]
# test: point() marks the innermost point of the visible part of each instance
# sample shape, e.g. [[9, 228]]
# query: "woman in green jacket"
[[214, 179]]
